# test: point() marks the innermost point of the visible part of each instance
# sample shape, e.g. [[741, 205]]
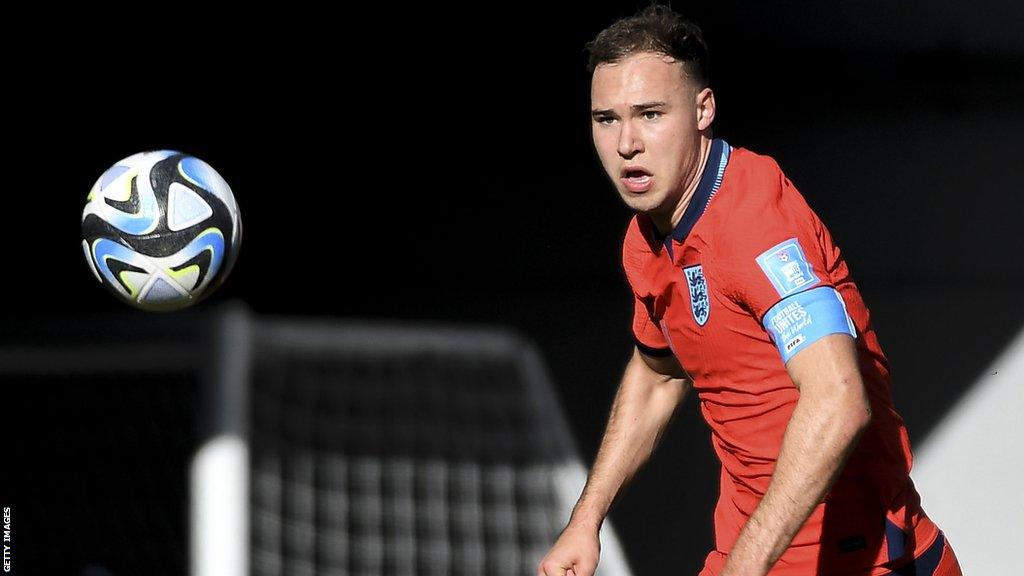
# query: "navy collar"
[[710, 181]]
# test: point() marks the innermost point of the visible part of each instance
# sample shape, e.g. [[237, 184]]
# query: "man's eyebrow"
[[646, 106], [635, 107]]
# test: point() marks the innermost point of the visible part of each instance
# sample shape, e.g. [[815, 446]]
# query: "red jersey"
[[743, 282]]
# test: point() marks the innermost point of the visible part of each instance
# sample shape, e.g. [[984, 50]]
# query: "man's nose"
[[630, 143]]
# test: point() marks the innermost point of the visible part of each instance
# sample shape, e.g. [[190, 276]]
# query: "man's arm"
[[829, 417], [648, 395], [650, 391]]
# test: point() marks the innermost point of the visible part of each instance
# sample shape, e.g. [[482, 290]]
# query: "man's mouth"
[[637, 180]]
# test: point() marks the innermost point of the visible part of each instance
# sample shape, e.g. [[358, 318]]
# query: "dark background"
[[434, 165]]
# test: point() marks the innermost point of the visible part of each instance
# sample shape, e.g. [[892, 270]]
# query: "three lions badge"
[[700, 305]]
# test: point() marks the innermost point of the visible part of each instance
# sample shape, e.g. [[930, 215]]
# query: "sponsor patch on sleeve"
[[787, 268]]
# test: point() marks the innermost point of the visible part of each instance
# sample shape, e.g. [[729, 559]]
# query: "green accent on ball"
[[124, 191], [131, 289], [183, 272]]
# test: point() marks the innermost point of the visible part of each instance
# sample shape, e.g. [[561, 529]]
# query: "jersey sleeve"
[[647, 332], [775, 260]]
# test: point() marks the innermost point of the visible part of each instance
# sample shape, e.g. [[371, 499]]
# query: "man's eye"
[[605, 120], [651, 115]]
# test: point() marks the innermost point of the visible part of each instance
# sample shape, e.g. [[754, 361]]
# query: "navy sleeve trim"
[[654, 352]]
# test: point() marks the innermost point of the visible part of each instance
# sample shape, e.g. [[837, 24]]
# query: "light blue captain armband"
[[803, 318]]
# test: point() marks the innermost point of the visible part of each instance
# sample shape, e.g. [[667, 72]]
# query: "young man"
[[741, 294]]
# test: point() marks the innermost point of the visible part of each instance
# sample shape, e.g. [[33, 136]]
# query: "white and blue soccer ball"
[[161, 230]]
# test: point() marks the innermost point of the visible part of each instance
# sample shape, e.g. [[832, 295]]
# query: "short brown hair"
[[658, 29]]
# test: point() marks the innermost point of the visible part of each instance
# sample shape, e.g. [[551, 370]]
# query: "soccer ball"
[[161, 230]]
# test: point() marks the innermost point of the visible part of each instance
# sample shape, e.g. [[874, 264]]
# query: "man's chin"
[[645, 203]]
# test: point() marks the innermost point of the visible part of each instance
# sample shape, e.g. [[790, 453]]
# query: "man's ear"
[[705, 101]]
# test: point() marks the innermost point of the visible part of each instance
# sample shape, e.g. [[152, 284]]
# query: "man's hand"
[[574, 554]]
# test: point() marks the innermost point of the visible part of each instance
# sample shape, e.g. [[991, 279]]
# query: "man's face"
[[645, 129]]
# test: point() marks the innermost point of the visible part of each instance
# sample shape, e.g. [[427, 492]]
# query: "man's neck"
[[664, 225]]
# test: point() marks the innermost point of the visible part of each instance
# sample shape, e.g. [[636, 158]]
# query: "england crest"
[[700, 305]]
